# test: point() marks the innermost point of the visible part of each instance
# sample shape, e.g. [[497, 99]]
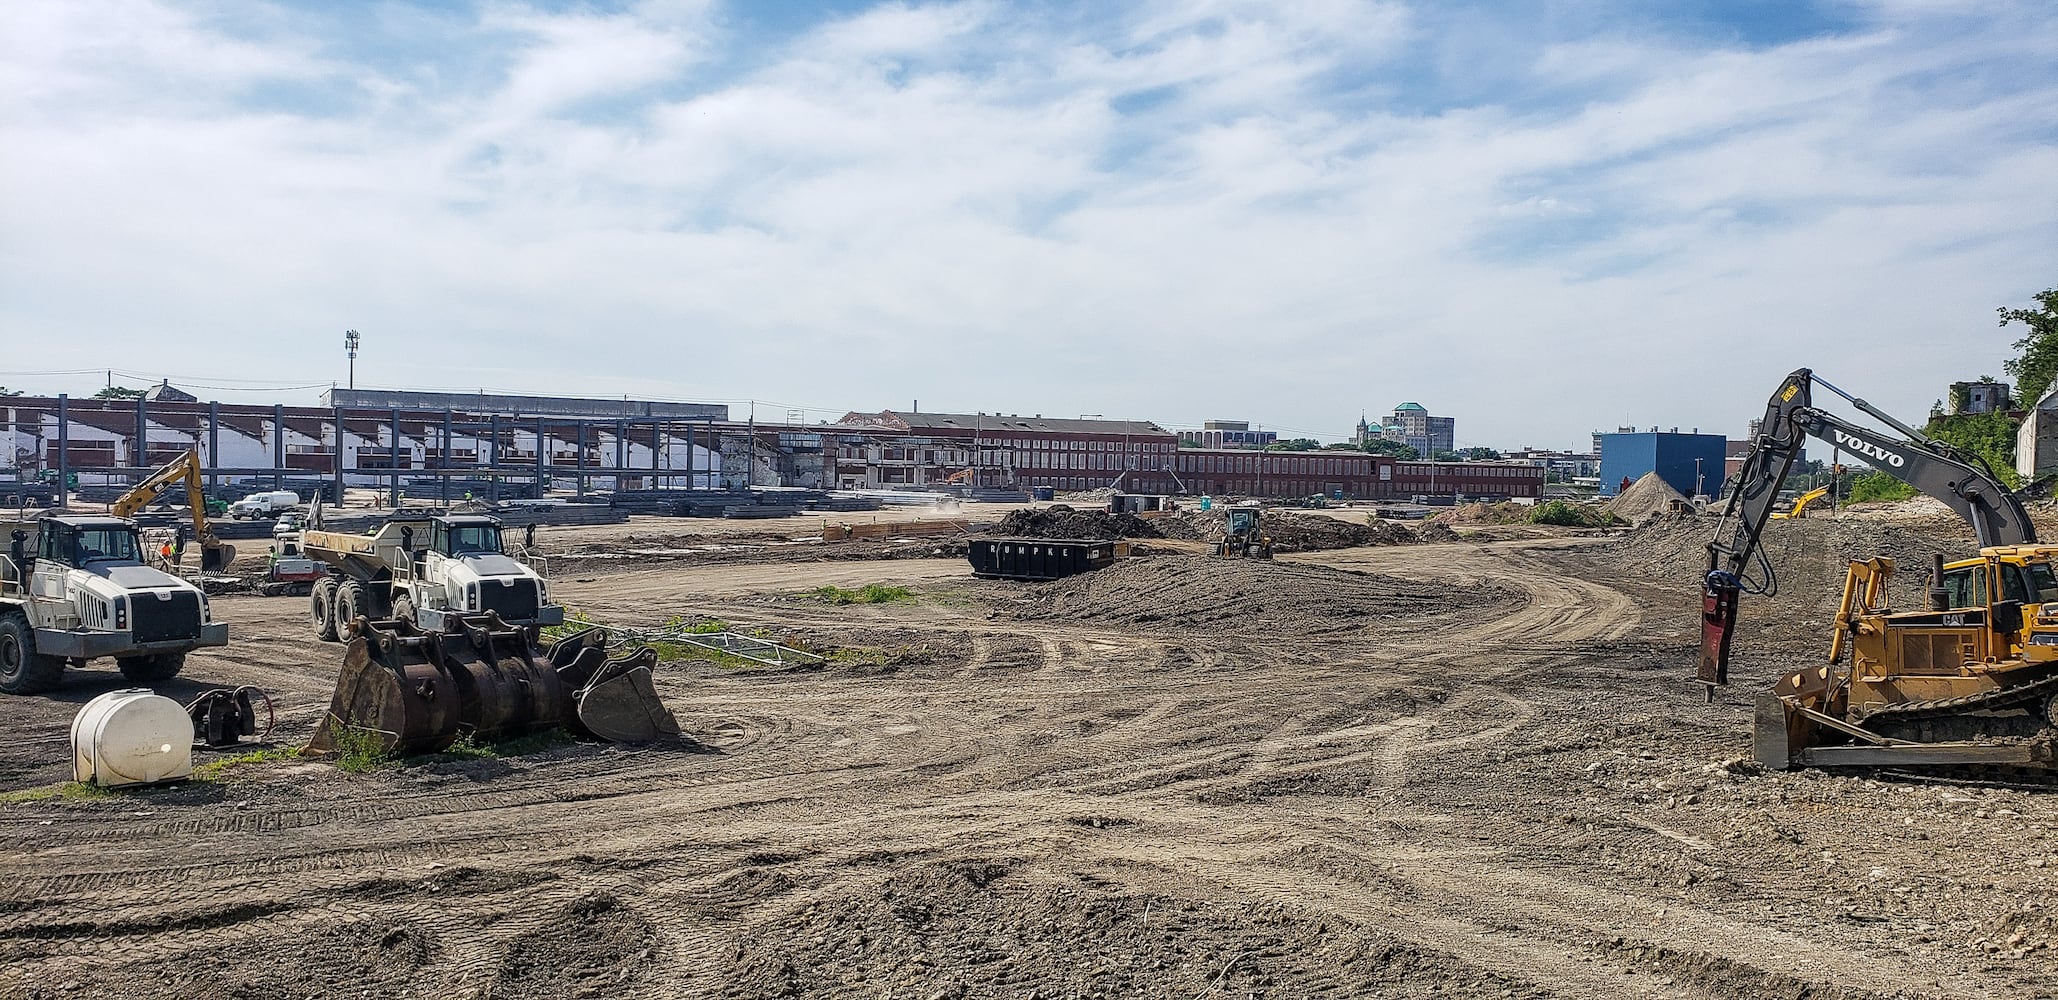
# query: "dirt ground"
[[1473, 769]]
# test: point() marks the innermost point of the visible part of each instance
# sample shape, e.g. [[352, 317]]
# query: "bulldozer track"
[[2008, 697]]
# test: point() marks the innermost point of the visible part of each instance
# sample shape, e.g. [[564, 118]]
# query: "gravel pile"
[[1647, 496]]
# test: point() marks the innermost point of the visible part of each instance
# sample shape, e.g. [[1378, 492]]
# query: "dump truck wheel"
[[351, 601], [321, 607], [22, 671], [151, 669], [403, 608]]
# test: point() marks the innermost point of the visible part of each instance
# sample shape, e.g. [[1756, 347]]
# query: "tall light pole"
[[350, 342]]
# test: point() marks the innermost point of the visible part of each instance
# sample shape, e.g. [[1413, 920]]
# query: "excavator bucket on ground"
[[615, 698], [413, 691]]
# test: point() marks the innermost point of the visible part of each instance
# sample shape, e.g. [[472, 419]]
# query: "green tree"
[[1991, 436], [118, 392], [2038, 365], [1295, 444], [1878, 486], [1445, 456], [1381, 446], [1477, 454]]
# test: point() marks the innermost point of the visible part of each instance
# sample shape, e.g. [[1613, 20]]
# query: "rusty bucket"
[[414, 691], [613, 697]]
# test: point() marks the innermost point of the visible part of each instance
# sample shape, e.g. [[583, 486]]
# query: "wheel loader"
[[1244, 533], [1968, 683]]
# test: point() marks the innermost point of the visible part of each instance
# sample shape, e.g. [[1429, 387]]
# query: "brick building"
[[1010, 450], [1283, 474]]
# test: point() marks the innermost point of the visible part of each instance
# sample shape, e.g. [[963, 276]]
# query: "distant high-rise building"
[[1413, 426]]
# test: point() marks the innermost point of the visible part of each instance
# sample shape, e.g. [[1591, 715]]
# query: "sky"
[[1540, 218]]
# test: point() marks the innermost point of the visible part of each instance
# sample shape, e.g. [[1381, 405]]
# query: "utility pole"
[[350, 342], [750, 466]]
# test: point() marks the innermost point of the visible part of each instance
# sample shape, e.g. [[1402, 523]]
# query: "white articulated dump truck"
[[426, 569], [75, 588]]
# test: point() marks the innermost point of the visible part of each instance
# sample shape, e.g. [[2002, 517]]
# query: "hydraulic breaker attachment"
[[1718, 619]]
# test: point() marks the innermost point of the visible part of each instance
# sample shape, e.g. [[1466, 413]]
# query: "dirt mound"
[[1808, 557], [1435, 531], [1061, 521], [977, 930], [1290, 532], [597, 947], [1647, 496], [1203, 592], [1505, 512]]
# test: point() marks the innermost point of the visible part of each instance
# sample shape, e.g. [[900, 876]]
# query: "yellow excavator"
[[1801, 504], [215, 555], [1970, 681]]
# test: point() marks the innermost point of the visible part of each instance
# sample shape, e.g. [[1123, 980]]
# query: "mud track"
[[1514, 796]]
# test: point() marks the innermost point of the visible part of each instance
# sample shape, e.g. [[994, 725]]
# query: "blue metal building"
[[1689, 463]]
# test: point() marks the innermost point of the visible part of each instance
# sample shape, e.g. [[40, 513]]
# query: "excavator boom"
[[1960, 480]]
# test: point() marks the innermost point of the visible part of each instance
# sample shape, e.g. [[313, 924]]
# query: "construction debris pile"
[[1644, 498], [1290, 532], [1201, 592], [1062, 521]]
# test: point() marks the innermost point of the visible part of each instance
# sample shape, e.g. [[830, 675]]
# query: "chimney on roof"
[[918, 407]]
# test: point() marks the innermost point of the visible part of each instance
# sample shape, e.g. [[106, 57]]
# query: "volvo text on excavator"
[[1970, 680]]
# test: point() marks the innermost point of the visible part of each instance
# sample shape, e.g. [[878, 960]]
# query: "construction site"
[[1106, 746]]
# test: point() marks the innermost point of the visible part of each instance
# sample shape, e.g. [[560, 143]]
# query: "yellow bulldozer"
[[1970, 681]]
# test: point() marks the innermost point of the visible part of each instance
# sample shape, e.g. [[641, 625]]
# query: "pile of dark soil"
[[976, 930], [596, 948], [1435, 531], [1202, 592], [1290, 532], [1061, 521]]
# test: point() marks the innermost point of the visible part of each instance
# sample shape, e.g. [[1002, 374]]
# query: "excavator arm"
[[186, 468], [1960, 480]]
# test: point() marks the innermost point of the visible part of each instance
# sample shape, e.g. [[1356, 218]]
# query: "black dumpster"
[[1037, 558]]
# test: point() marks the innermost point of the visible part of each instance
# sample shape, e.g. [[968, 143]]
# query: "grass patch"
[[214, 770], [70, 791], [871, 593], [359, 749]]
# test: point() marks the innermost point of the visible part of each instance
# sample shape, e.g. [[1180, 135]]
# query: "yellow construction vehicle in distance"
[[1801, 504], [215, 555]]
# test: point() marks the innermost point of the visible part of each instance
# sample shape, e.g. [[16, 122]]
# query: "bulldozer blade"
[[392, 688], [621, 704]]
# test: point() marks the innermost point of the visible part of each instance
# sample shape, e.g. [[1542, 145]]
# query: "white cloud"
[[1272, 211]]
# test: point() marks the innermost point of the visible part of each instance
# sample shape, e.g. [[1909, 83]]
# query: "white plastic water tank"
[[131, 737]]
